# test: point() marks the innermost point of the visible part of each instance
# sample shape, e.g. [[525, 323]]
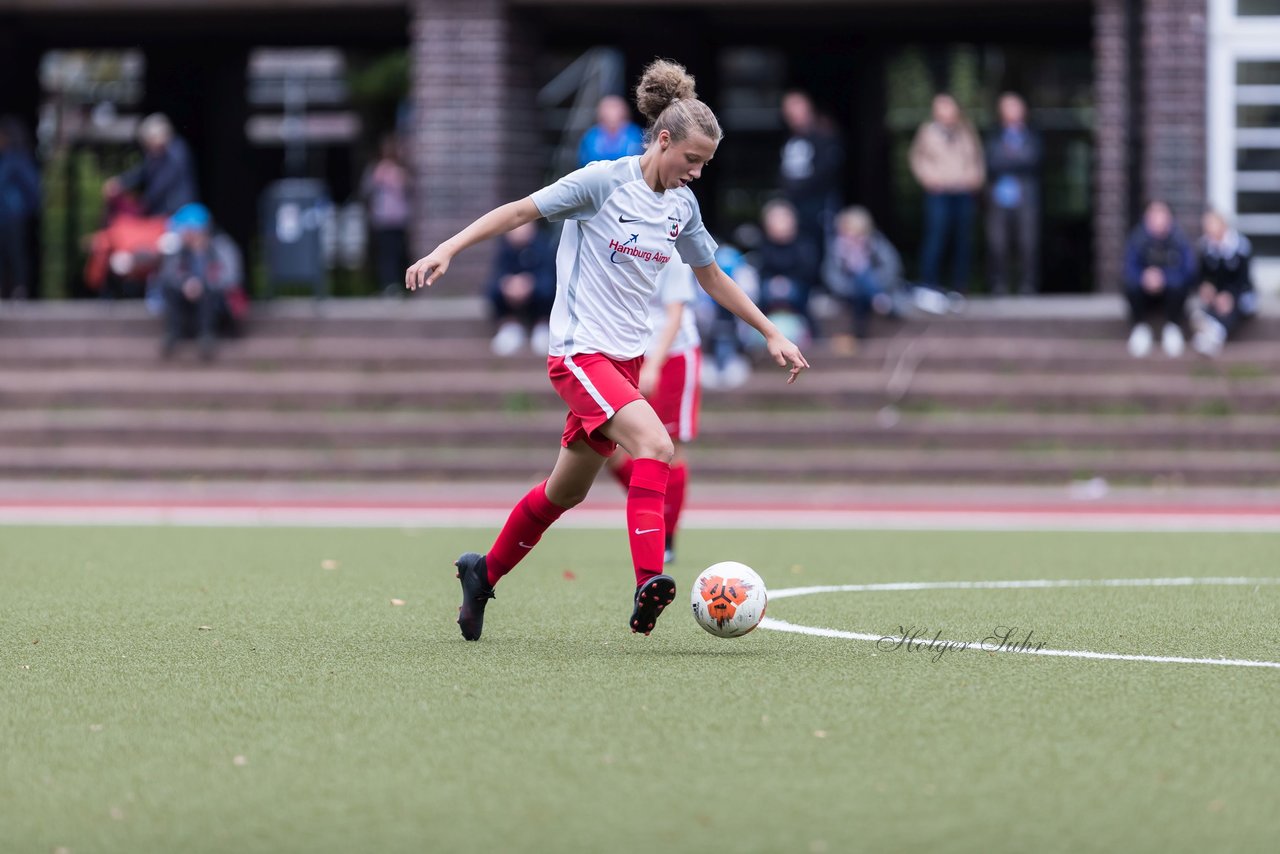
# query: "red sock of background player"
[[533, 515], [676, 485], [622, 473], [645, 527]]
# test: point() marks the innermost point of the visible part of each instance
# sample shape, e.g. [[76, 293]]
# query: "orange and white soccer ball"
[[729, 599]]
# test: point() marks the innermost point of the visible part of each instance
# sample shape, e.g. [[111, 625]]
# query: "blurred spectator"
[[613, 135], [1225, 297], [385, 189], [200, 281], [863, 269], [725, 337], [946, 158], [788, 266], [19, 203], [809, 172], [1014, 154], [165, 180], [1158, 268], [522, 289]]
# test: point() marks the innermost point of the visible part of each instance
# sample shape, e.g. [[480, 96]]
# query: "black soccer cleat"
[[651, 597], [476, 593]]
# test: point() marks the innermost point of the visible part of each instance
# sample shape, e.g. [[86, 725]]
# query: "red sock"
[[533, 515], [623, 472], [645, 528], [675, 498]]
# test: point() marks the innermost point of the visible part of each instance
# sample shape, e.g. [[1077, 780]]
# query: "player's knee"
[[658, 447]]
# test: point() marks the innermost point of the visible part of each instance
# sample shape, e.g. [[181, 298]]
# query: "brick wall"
[[473, 117], [1170, 126], [1175, 120], [1111, 142]]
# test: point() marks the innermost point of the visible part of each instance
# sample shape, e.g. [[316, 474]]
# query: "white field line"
[[783, 626], [285, 516]]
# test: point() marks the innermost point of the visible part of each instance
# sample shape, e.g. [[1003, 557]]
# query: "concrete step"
[[932, 353], [528, 390], [484, 462], [846, 430], [1100, 317]]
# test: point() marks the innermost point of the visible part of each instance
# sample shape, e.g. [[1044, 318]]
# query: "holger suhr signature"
[[914, 639]]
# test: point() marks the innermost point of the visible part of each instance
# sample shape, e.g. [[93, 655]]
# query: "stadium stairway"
[[1011, 392]]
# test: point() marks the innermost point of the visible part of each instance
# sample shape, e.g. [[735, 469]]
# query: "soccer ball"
[[729, 599]]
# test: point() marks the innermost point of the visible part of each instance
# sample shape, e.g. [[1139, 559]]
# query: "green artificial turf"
[[185, 689]]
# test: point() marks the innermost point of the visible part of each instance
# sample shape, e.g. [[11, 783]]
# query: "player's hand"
[[786, 353], [648, 380], [424, 273]]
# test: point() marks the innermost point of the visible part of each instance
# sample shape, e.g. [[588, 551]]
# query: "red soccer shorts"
[[679, 395], [594, 387]]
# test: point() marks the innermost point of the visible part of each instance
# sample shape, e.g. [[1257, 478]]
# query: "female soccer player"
[[670, 381], [624, 218]]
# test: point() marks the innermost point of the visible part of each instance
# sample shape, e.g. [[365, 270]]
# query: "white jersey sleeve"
[[578, 195], [694, 244]]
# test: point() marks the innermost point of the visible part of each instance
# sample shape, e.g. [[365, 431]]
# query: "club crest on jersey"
[[625, 253], [673, 229]]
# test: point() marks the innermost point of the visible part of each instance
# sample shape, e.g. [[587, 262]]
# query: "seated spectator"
[[199, 281], [613, 135], [725, 338], [788, 267], [864, 270], [1225, 297], [522, 289], [1158, 268]]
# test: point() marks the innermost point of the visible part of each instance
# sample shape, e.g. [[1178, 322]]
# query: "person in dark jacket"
[[788, 264], [165, 180], [1158, 269], [1225, 297], [809, 171], [522, 289], [200, 279], [1014, 154], [19, 202]]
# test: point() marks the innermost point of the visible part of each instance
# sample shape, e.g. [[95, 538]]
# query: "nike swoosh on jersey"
[[648, 530], [622, 218]]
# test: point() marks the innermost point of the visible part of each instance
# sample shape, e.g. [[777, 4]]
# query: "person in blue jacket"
[[1159, 265], [613, 135], [19, 202]]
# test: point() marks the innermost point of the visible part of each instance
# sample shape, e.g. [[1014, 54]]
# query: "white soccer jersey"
[[676, 283], [618, 236]]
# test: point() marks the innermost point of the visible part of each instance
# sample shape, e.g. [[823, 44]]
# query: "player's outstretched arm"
[[500, 220], [724, 290]]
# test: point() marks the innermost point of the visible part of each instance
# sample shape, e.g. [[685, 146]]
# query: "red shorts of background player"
[[679, 395], [594, 387]]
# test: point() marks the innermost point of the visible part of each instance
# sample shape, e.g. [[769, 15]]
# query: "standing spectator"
[[1014, 155], [788, 265], [946, 158], [19, 202], [1158, 269], [199, 279], [385, 188], [809, 172], [165, 179], [613, 135], [1225, 297], [522, 289], [863, 269]]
